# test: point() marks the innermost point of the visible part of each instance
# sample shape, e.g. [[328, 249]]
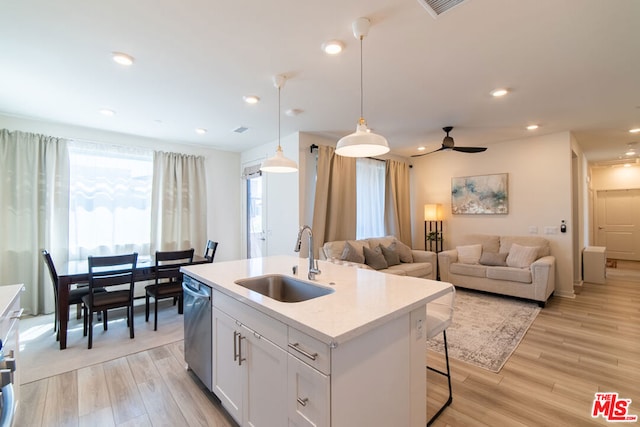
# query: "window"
[[370, 191], [109, 200]]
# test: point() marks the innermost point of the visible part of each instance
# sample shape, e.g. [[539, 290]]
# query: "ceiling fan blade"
[[469, 149], [430, 152]]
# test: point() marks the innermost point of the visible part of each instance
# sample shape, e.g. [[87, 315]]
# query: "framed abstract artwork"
[[480, 195]]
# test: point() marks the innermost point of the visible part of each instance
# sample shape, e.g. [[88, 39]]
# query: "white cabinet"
[[249, 371], [308, 395], [10, 312]]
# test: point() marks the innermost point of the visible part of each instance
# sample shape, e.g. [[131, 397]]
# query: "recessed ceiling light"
[[332, 47], [107, 112], [496, 93], [251, 99], [201, 131], [421, 148], [635, 130], [631, 152], [627, 165], [532, 127], [122, 58]]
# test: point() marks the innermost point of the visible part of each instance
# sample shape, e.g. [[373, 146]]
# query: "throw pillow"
[[469, 254], [521, 256], [351, 254], [390, 254], [404, 252], [374, 258], [495, 259]]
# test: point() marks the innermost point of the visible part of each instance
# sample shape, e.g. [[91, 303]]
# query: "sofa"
[[519, 266], [385, 254]]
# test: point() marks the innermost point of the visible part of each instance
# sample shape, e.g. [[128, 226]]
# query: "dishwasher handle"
[[195, 293]]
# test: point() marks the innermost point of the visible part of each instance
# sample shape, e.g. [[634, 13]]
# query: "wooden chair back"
[[112, 270], [210, 250], [168, 264]]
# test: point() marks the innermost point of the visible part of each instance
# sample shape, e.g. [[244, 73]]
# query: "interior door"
[[617, 223]]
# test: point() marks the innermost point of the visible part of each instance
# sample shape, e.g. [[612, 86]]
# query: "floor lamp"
[[433, 228]]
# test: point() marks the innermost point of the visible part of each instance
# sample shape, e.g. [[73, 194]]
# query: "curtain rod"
[[314, 146]]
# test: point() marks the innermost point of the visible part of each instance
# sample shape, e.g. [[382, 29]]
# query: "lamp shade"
[[433, 212], [279, 163], [362, 143]]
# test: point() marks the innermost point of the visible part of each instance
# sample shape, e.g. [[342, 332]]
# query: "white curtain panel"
[[178, 202], [34, 192], [369, 198]]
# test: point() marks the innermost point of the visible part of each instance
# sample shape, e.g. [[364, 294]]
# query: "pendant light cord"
[[361, 84], [279, 117]]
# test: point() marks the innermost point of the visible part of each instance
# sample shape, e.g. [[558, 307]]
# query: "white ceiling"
[[570, 64]]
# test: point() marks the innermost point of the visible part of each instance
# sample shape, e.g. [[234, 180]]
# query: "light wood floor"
[[575, 348]]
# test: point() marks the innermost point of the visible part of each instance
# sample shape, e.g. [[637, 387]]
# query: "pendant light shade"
[[279, 163], [363, 142]]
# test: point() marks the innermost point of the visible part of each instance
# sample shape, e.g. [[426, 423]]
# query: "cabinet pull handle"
[[235, 346], [304, 401], [17, 314], [296, 347], [240, 358]]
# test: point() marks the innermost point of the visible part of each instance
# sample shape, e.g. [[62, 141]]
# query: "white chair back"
[[440, 313]]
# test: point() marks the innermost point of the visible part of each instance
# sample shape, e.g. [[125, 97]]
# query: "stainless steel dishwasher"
[[197, 329]]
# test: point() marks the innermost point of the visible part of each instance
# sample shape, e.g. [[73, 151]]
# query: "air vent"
[[438, 7], [241, 129]]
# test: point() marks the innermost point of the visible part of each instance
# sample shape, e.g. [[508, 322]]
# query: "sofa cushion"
[[392, 270], [493, 258], [374, 258], [404, 252], [390, 254], [352, 253], [508, 273], [543, 244], [475, 270], [416, 269], [521, 256], [489, 242], [385, 241], [469, 254]]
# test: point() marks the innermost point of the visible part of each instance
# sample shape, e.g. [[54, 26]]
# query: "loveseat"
[[519, 266], [385, 254]]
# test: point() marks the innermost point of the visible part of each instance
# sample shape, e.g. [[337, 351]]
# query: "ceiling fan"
[[447, 144]]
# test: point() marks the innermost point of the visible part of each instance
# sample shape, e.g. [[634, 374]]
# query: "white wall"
[[540, 194], [223, 192], [615, 178]]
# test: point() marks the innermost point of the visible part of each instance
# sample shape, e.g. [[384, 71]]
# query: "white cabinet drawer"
[[309, 350], [308, 395], [275, 330]]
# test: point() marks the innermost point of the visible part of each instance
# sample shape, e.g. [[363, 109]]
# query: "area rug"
[[486, 328], [41, 357]]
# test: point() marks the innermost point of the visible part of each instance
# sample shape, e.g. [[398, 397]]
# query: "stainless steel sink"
[[283, 288]]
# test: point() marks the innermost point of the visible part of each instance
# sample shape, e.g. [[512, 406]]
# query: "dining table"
[[77, 272]]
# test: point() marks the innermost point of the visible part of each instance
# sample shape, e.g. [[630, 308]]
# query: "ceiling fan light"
[[279, 163], [362, 143], [332, 47]]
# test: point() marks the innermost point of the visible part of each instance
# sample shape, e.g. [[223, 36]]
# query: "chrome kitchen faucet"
[[313, 265]]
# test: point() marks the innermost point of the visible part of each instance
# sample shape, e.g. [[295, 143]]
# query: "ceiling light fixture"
[[497, 93], [201, 131], [422, 148], [251, 99], [122, 58], [636, 130], [532, 127], [107, 112], [332, 47], [362, 143], [279, 163]]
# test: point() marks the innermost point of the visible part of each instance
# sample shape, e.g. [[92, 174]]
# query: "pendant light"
[[363, 142], [279, 163]]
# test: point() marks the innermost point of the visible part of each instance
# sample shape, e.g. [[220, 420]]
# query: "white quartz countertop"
[[8, 294], [363, 299]]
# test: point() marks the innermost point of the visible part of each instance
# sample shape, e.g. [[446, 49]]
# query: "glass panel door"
[[256, 238]]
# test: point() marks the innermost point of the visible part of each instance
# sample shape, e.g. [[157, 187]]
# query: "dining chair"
[[106, 272], [210, 250], [168, 281], [439, 317], [75, 295]]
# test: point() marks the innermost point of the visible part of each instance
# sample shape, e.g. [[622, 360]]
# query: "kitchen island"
[[355, 356]]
